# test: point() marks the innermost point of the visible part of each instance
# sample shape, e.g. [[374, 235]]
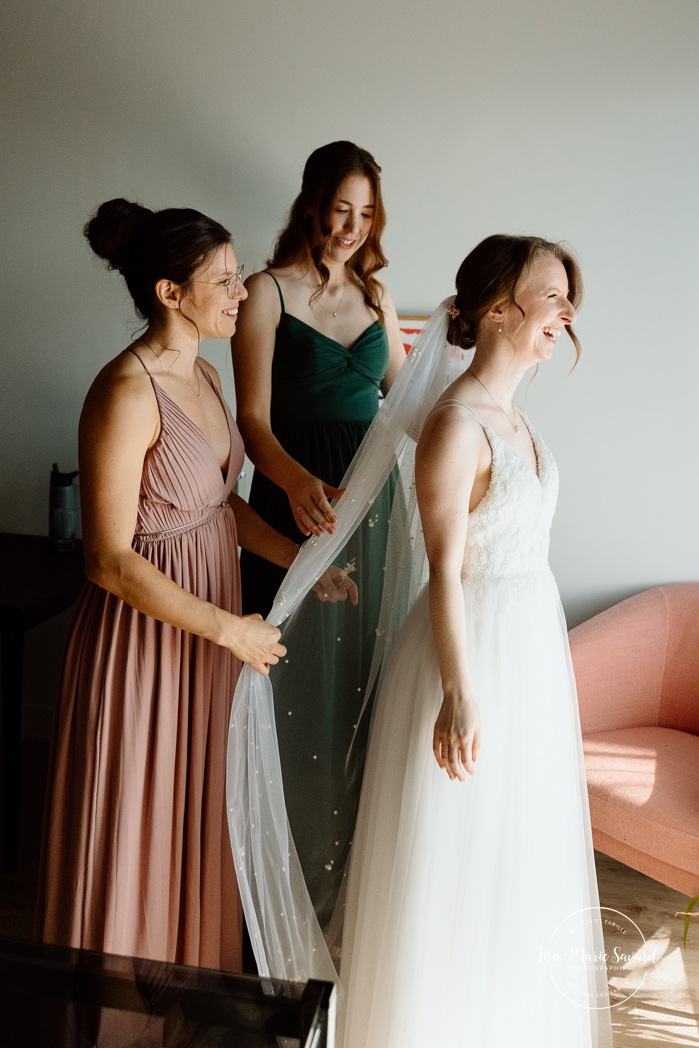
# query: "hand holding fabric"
[[309, 503], [253, 641], [335, 584]]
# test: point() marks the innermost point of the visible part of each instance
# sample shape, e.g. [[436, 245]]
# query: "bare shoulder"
[[261, 283], [122, 389], [268, 281], [385, 297], [451, 419], [263, 298], [295, 281], [124, 376], [287, 274], [452, 440], [386, 301]]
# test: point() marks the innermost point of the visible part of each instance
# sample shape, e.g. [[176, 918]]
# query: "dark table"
[[35, 585], [55, 997]]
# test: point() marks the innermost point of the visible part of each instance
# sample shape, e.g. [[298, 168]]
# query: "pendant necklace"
[[339, 305], [169, 371], [513, 423]]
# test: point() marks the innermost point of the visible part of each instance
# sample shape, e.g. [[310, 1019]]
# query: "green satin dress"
[[324, 398]]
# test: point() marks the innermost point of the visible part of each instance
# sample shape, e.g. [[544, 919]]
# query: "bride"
[[471, 914], [472, 858]]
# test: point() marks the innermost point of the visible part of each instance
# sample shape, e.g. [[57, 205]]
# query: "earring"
[[500, 330]]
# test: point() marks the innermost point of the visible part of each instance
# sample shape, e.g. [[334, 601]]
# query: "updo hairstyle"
[[306, 235], [147, 246], [495, 272]]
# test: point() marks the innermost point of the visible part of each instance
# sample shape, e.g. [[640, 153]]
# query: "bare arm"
[[253, 350], [450, 454], [118, 424], [257, 536], [396, 349]]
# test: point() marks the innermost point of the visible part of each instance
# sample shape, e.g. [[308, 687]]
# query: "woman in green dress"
[[317, 340]]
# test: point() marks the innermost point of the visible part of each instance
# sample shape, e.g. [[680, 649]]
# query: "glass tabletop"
[[55, 997]]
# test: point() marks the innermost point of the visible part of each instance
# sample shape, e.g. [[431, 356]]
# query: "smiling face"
[[351, 218], [547, 310], [208, 303]]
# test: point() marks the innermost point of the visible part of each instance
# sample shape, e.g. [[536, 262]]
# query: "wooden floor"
[[664, 1010]]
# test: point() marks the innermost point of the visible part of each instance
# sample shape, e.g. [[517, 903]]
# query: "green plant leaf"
[[690, 909]]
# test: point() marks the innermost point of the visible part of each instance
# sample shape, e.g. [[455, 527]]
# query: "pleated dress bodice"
[[182, 482]]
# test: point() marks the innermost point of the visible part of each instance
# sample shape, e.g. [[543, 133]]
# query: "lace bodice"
[[509, 530]]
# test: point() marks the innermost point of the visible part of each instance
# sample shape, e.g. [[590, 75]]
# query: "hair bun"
[[110, 230], [462, 332]]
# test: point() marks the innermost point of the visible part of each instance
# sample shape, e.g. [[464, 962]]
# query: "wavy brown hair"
[[496, 271], [305, 237]]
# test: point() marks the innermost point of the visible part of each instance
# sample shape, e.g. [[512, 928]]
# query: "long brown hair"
[[496, 271], [307, 232]]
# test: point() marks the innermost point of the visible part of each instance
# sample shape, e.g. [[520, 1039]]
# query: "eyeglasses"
[[231, 285]]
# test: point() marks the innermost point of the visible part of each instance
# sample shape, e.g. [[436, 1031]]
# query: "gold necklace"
[[514, 412], [169, 371], [339, 305]]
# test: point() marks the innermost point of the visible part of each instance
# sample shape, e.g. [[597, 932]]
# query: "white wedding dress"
[[471, 917]]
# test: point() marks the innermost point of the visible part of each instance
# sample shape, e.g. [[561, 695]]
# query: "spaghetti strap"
[[209, 379], [156, 385], [281, 297], [455, 400], [139, 360], [200, 369], [150, 374]]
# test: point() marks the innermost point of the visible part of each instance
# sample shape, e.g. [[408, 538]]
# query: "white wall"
[[570, 120]]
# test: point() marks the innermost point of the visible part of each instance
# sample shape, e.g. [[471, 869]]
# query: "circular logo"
[[598, 957]]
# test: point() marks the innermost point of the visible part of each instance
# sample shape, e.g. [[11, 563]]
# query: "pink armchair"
[[637, 671]]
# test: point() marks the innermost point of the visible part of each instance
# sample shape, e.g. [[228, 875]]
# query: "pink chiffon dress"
[[136, 855]]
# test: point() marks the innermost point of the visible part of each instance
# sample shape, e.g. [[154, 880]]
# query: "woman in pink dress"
[[136, 853]]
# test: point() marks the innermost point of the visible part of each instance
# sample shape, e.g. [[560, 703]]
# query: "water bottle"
[[63, 510]]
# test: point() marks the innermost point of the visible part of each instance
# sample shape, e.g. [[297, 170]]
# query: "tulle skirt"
[[471, 915]]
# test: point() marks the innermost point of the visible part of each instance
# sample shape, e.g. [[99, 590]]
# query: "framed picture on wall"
[[411, 324]]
